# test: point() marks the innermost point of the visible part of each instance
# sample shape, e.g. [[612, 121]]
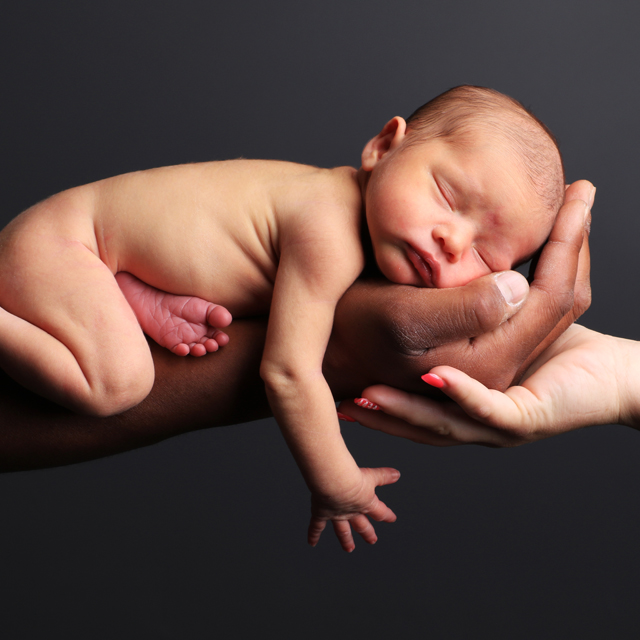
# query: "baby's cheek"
[[395, 266]]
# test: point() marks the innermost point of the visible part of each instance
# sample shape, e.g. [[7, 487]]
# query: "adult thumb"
[[439, 316], [489, 301], [514, 289]]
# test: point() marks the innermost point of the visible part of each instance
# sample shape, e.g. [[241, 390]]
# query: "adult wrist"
[[627, 375]]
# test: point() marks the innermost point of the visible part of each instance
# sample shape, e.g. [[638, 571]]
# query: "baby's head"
[[469, 184]]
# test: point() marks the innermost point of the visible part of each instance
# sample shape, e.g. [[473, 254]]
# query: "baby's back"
[[198, 229], [209, 230]]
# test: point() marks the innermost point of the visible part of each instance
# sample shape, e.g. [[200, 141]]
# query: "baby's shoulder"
[[305, 192], [319, 213]]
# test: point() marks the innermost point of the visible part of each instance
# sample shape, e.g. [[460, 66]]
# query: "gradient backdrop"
[[204, 535]]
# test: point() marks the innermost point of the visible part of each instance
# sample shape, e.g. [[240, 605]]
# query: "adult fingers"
[[580, 190], [380, 421], [558, 264], [431, 421], [486, 406], [581, 302], [551, 294], [442, 316], [582, 293], [427, 318]]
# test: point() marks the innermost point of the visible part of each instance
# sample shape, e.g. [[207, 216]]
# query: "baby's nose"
[[453, 240]]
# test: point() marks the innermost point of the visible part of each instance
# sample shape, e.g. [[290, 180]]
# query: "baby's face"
[[443, 214]]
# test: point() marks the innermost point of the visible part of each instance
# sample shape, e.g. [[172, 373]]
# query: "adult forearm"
[[189, 393]]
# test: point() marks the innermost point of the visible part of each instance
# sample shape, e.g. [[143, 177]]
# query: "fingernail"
[[342, 416], [366, 404], [592, 197], [513, 286], [433, 380]]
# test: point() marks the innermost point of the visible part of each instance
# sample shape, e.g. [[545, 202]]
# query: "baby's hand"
[[352, 510]]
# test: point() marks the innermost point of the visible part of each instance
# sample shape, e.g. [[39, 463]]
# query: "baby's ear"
[[389, 138]]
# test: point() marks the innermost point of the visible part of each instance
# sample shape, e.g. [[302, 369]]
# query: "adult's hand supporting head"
[[390, 334], [559, 294]]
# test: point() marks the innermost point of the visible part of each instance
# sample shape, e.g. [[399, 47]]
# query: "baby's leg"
[[182, 324], [66, 330]]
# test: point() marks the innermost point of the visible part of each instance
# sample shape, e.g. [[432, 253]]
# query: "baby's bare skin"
[[199, 229], [211, 231], [183, 324], [251, 237]]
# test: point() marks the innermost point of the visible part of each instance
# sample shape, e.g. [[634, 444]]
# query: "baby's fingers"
[[316, 527], [345, 537], [382, 513], [382, 475], [361, 525]]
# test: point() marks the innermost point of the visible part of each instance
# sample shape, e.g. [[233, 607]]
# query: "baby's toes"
[[219, 317], [198, 350], [210, 345], [220, 338], [181, 349]]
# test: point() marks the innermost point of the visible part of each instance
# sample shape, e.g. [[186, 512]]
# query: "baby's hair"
[[456, 114]]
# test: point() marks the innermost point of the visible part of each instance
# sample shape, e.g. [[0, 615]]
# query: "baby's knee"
[[118, 393]]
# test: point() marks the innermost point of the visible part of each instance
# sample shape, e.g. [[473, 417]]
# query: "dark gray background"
[[204, 535]]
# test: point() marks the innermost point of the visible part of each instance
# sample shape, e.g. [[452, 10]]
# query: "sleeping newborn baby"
[[468, 185]]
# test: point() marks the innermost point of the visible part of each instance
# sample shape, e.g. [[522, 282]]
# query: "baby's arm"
[[312, 275]]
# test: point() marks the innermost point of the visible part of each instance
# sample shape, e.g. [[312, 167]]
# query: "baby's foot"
[[183, 324]]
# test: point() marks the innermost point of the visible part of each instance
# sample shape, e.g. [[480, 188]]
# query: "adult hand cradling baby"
[[382, 333], [559, 294]]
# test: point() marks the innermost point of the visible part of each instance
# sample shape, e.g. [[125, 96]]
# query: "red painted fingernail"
[[433, 380], [366, 404], [341, 416]]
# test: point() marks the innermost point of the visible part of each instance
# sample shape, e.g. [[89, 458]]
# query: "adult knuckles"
[[410, 328], [411, 336], [463, 312], [555, 304], [484, 307]]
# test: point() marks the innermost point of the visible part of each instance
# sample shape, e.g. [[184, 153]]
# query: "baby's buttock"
[[63, 220]]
